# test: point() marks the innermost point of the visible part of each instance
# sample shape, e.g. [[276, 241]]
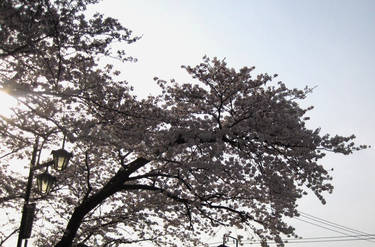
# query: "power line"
[[331, 224], [336, 237], [312, 241], [314, 224], [309, 216], [325, 224]]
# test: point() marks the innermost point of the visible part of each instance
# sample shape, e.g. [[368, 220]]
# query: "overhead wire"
[[310, 240], [309, 216], [329, 224], [317, 240], [325, 224], [327, 228]]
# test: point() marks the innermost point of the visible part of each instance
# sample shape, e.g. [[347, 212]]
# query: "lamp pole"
[[28, 209], [60, 161]]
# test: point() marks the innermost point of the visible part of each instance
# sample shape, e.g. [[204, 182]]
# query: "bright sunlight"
[[6, 103]]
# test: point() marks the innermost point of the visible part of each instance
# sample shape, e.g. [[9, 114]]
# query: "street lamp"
[[45, 182], [61, 159]]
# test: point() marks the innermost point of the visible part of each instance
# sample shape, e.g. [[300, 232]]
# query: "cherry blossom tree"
[[229, 148]]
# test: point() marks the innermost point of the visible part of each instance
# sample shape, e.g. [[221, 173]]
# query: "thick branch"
[[114, 185]]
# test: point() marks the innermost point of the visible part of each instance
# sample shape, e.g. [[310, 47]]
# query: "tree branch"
[[114, 185]]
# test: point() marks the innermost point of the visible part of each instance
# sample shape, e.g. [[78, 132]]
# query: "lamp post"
[[45, 182]]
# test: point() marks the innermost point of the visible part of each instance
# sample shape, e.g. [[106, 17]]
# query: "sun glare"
[[6, 103]]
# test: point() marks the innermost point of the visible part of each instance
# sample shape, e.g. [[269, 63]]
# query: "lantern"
[[45, 182], [61, 159]]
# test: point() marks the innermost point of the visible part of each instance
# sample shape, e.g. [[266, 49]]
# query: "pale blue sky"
[[325, 43]]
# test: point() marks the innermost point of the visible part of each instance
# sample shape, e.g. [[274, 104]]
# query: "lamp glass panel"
[[44, 187], [60, 162], [45, 182]]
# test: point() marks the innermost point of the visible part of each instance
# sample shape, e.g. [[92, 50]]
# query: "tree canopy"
[[228, 148]]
